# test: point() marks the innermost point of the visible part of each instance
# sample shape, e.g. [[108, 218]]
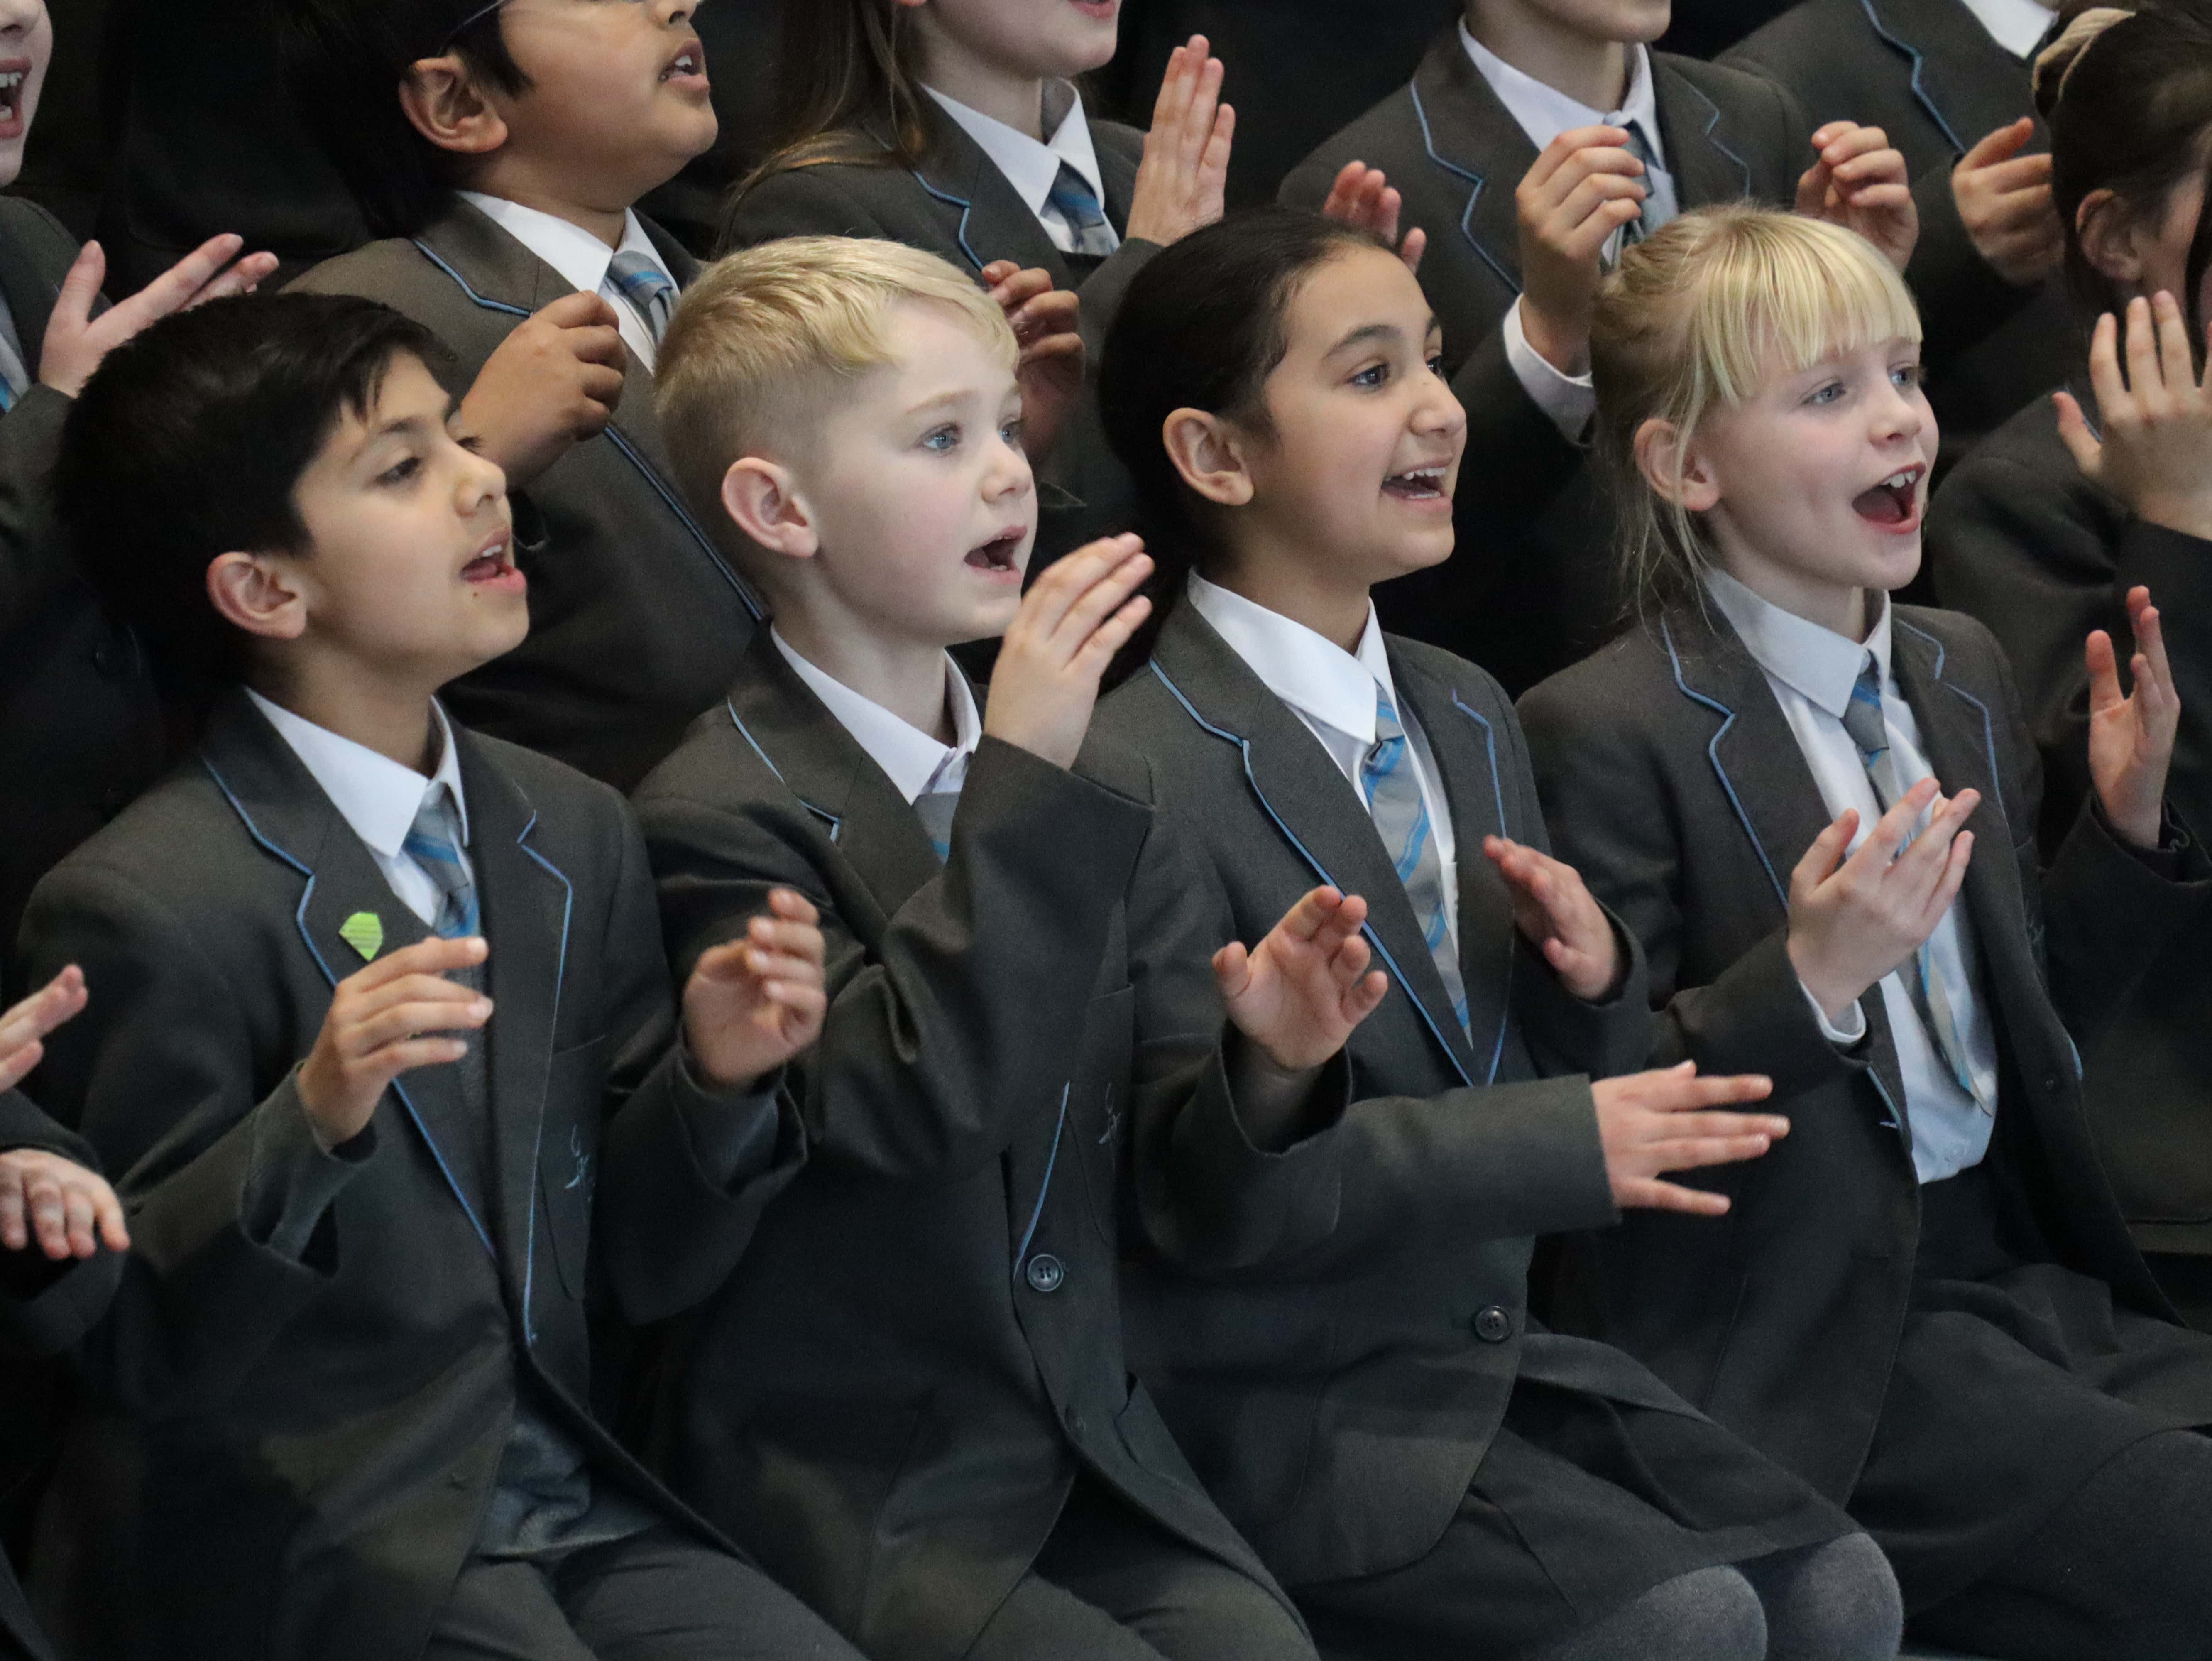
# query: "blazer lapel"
[[990, 221], [1117, 172], [1314, 807], [1705, 157], [1473, 139], [1964, 82]]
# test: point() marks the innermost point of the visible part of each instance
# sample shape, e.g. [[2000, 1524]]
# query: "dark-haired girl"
[[2045, 529], [1430, 1472]]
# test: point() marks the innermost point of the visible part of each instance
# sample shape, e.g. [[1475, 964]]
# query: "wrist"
[[1562, 345], [2188, 512], [1832, 998]]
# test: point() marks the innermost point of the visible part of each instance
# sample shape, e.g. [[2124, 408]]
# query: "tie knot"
[[1071, 194], [646, 286], [1862, 717]]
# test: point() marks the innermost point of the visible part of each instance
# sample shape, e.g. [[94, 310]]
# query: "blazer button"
[[1045, 1272], [110, 658], [2051, 1084], [1493, 1325]]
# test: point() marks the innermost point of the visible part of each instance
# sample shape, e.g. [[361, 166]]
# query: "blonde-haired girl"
[[1817, 810]]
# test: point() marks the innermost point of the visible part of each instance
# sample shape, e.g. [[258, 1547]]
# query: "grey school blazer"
[[637, 617], [888, 1397], [1338, 1390], [288, 1457]]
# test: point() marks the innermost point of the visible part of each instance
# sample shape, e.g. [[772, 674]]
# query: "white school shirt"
[[582, 260], [1031, 168], [916, 763], [1332, 692], [1812, 671], [1544, 112], [378, 798], [2016, 24]]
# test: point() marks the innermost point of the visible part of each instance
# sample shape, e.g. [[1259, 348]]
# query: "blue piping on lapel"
[[836, 825], [614, 433], [1713, 751], [1989, 730], [1920, 93], [1244, 748], [1713, 120], [1497, 794], [1036, 1213], [966, 211], [537, 1142], [299, 923], [1481, 184]]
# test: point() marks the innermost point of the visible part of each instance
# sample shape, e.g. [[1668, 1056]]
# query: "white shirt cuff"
[[1570, 400], [1829, 1031]]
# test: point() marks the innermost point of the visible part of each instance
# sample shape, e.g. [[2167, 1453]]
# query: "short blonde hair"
[[1699, 314], [763, 340]]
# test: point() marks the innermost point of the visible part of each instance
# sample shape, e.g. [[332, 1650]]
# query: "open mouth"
[[1893, 502], [692, 60], [1417, 484], [999, 556], [12, 79], [494, 568]]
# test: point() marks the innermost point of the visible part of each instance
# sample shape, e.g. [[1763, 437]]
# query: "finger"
[[1695, 1153], [1199, 115], [1065, 580], [1111, 635], [1175, 90], [49, 1220], [1813, 191], [57, 1002], [2177, 369], [600, 345], [77, 1205], [2112, 392], [1994, 148], [1232, 970], [1610, 163], [729, 962], [2074, 433], [2103, 672], [362, 1007], [1555, 171], [244, 277], [1347, 965], [1677, 1092], [1313, 909], [1365, 998], [107, 1211], [1344, 191], [2141, 351], [997, 272], [1411, 250], [430, 957], [774, 934], [1588, 240], [1221, 144], [18, 1061], [80, 287], [1849, 144], [14, 1234], [1018, 289], [1827, 852], [793, 906], [2150, 646], [390, 1062], [805, 1003], [1877, 198], [1880, 848], [2023, 175], [1097, 603], [405, 1021], [1954, 876], [780, 967], [1644, 1194], [170, 291]]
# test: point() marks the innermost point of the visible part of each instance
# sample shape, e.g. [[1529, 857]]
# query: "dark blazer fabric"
[[1953, 1415], [1931, 76], [888, 1398], [1339, 1382], [1533, 587], [2022, 541], [637, 616], [956, 204], [342, 1414], [80, 724]]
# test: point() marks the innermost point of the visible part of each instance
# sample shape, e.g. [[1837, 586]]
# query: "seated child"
[[908, 1398], [1535, 137], [384, 1052], [1430, 1471], [1817, 807]]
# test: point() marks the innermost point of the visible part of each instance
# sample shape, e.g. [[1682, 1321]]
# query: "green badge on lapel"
[[364, 932]]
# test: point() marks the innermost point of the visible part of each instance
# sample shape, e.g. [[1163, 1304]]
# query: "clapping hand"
[[76, 341], [1045, 322], [2131, 738], [2155, 454], [1182, 182], [753, 1003], [1299, 994], [1860, 182], [1554, 910]]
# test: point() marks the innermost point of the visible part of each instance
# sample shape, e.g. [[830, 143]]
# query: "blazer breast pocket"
[[568, 1158]]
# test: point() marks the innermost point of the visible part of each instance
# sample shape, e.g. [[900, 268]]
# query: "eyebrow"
[[943, 400], [1378, 331]]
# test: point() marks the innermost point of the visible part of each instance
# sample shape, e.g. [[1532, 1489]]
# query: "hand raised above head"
[[756, 1001], [1363, 197], [1585, 186], [2156, 452], [1301, 992], [76, 341], [1182, 183]]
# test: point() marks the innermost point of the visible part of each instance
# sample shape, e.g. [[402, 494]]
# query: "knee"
[[1713, 1615], [1838, 1602]]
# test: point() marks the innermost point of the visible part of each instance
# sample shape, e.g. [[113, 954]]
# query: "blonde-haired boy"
[[906, 1393]]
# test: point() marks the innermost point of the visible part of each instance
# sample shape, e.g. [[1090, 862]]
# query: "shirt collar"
[[581, 258], [1311, 673], [373, 794], [1031, 168], [1818, 664], [2017, 26], [1545, 111], [913, 759]]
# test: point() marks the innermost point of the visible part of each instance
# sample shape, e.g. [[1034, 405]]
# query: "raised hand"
[[1651, 1123], [552, 383], [1860, 182], [1045, 322], [2156, 452], [1182, 181], [2004, 201], [753, 1003], [375, 1031], [2131, 738], [1851, 927], [1299, 994], [76, 341], [1082, 611], [1584, 188], [24, 1027], [1361, 197], [1554, 911], [71, 1211]]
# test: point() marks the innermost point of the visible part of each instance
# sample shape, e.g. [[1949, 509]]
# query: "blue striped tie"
[[935, 809], [433, 842], [646, 287], [1078, 205], [1401, 819]]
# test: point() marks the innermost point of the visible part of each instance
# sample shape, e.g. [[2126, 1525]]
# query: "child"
[[909, 1399], [1563, 97], [498, 150], [1948, 82], [2042, 534], [1928, 1305], [1430, 1472], [354, 1420]]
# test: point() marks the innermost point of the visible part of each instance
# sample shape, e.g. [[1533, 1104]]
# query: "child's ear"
[[763, 499], [1209, 454], [257, 594], [1677, 473], [2108, 235], [443, 102]]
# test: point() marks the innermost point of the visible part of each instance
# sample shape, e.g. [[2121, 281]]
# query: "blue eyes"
[[1906, 377], [943, 441]]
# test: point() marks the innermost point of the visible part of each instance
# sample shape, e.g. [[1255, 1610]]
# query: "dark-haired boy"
[[383, 1050], [499, 150]]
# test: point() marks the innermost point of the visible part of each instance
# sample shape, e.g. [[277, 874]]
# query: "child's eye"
[[1826, 394], [1908, 375], [1375, 374], [1011, 432], [400, 474], [1437, 365], [942, 440]]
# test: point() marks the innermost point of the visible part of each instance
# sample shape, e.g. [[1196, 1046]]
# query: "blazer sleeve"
[[1524, 459], [33, 558], [1963, 298], [46, 1306]]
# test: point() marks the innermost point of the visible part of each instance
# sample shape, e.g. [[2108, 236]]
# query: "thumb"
[[80, 287], [580, 310], [2002, 145], [1232, 970], [2073, 432]]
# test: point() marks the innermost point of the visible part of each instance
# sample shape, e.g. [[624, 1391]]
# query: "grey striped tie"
[[1401, 819], [646, 287]]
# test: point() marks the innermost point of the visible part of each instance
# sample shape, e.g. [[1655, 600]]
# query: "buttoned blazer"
[[888, 1397], [1533, 587], [637, 616], [342, 1414], [1673, 783], [1338, 1390]]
